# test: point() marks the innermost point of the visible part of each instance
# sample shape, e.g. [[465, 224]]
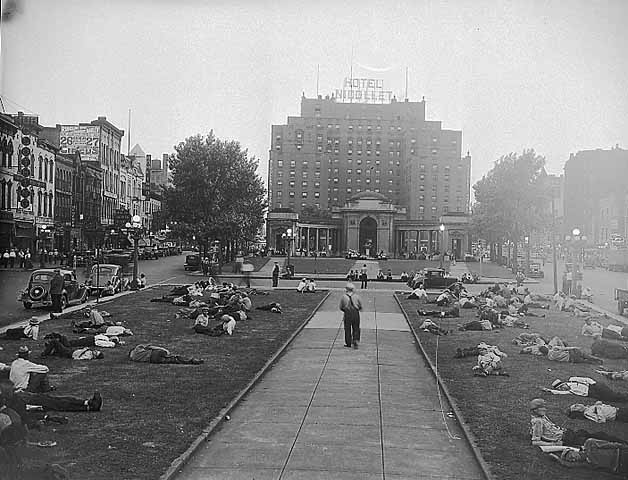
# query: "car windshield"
[[42, 277]]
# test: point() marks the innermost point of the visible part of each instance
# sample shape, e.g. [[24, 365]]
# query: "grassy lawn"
[[321, 265], [490, 269], [398, 266], [168, 405], [257, 262], [496, 408]]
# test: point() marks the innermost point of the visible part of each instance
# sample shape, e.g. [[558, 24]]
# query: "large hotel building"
[[385, 178]]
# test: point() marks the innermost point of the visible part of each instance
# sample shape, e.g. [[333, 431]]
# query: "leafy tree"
[[216, 193], [511, 199]]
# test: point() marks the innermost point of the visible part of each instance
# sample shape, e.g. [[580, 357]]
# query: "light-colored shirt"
[[600, 412], [543, 429], [577, 386], [558, 354], [202, 320], [345, 302], [21, 370], [592, 330]]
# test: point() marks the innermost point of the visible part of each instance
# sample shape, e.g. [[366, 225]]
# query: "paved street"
[[166, 269], [601, 281], [325, 411]]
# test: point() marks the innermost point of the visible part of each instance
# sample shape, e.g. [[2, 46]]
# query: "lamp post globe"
[[575, 232], [442, 244]]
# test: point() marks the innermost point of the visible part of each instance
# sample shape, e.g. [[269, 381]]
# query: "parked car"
[[433, 278], [535, 271], [352, 255], [192, 262], [106, 279], [470, 258], [37, 292]]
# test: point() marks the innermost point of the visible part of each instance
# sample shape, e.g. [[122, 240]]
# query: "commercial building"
[[385, 176], [33, 207], [595, 188], [65, 173]]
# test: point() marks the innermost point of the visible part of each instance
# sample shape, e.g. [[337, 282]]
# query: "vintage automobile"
[[433, 278], [535, 271], [37, 292], [192, 262], [106, 279]]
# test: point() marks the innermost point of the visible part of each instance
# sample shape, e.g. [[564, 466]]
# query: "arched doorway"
[[368, 236]]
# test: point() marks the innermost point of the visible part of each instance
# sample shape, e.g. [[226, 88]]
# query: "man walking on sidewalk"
[[350, 305]]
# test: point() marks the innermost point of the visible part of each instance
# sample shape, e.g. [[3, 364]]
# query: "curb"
[[179, 462], [473, 443]]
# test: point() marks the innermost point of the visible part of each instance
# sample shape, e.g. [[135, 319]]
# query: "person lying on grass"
[[544, 432], [596, 454], [144, 353], [54, 347], [473, 351], [563, 353], [429, 326], [609, 349], [489, 361], [586, 387], [613, 375], [48, 403], [28, 331], [271, 307], [100, 340], [598, 412]]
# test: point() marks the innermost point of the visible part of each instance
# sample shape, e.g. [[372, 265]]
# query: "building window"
[[445, 209], [304, 183], [421, 209], [358, 171], [291, 194], [317, 194], [304, 174], [336, 180], [348, 180], [421, 188], [279, 183], [421, 177], [279, 193], [292, 183], [41, 163], [348, 189], [293, 164], [304, 194], [292, 173], [317, 184]]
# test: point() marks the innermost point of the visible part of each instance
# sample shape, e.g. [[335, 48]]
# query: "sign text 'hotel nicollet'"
[[363, 90]]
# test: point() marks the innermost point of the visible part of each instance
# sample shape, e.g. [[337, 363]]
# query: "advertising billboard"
[[82, 138]]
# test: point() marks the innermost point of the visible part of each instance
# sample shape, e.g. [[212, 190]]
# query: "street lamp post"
[[288, 238], [442, 244], [135, 227]]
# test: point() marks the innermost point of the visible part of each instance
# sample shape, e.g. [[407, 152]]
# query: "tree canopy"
[[511, 199], [216, 193]]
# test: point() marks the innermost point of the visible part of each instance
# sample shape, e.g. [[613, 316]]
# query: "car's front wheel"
[[64, 302]]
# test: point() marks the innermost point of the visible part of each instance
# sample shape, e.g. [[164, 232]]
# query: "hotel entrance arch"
[[368, 236]]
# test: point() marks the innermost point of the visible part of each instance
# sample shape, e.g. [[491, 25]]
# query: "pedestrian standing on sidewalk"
[[56, 291], [364, 277], [20, 258], [350, 305], [12, 257], [276, 275], [5, 259]]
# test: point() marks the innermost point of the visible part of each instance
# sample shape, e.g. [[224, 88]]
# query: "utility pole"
[[554, 266]]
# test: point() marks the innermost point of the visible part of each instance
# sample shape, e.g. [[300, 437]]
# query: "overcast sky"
[[548, 75]]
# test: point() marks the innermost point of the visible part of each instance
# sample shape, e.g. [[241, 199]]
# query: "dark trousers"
[[12, 261], [275, 280], [364, 281], [159, 356], [54, 403], [56, 347], [38, 383], [56, 302], [14, 333], [577, 438], [352, 329], [602, 392]]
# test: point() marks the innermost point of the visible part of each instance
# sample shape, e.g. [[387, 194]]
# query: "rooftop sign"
[[363, 90]]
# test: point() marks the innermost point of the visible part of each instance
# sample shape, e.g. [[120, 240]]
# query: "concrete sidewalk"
[[325, 411]]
